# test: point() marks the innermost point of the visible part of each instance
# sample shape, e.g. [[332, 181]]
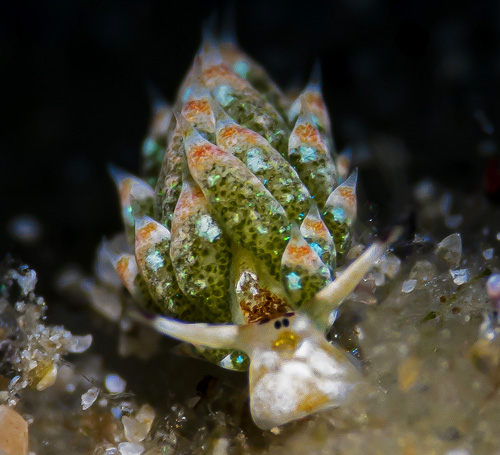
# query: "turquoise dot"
[[316, 248], [242, 68], [339, 214], [186, 94], [293, 281], [150, 147], [223, 94], [307, 154]]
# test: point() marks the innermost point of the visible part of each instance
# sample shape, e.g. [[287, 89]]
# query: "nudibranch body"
[[294, 371], [236, 248]]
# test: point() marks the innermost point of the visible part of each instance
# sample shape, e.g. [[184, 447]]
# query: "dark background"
[[421, 78]]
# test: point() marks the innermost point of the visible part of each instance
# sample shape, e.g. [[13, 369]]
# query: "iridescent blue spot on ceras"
[[293, 281], [317, 248], [242, 68], [307, 154], [339, 214], [223, 94]]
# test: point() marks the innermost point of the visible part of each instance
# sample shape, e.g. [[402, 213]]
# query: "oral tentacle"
[[331, 296], [216, 336]]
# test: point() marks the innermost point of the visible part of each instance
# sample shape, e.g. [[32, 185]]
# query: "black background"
[[74, 95]]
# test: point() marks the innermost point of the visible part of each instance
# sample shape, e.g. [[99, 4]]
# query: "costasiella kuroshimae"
[[237, 229]]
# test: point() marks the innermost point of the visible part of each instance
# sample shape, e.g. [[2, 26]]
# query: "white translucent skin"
[[294, 380], [294, 371], [288, 380]]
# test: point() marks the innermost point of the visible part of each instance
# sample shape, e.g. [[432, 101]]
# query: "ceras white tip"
[[304, 118], [140, 190], [313, 224], [126, 268], [112, 255], [312, 96], [129, 185], [119, 175], [193, 78], [228, 29], [307, 257], [344, 197], [316, 78], [155, 98], [352, 180], [344, 164], [196, 92], [149, 232], [222, 119], [191, 136], [209, 28], [209, 54]]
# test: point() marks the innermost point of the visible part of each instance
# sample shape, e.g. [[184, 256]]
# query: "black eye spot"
[[286, 322], [277, 325]]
